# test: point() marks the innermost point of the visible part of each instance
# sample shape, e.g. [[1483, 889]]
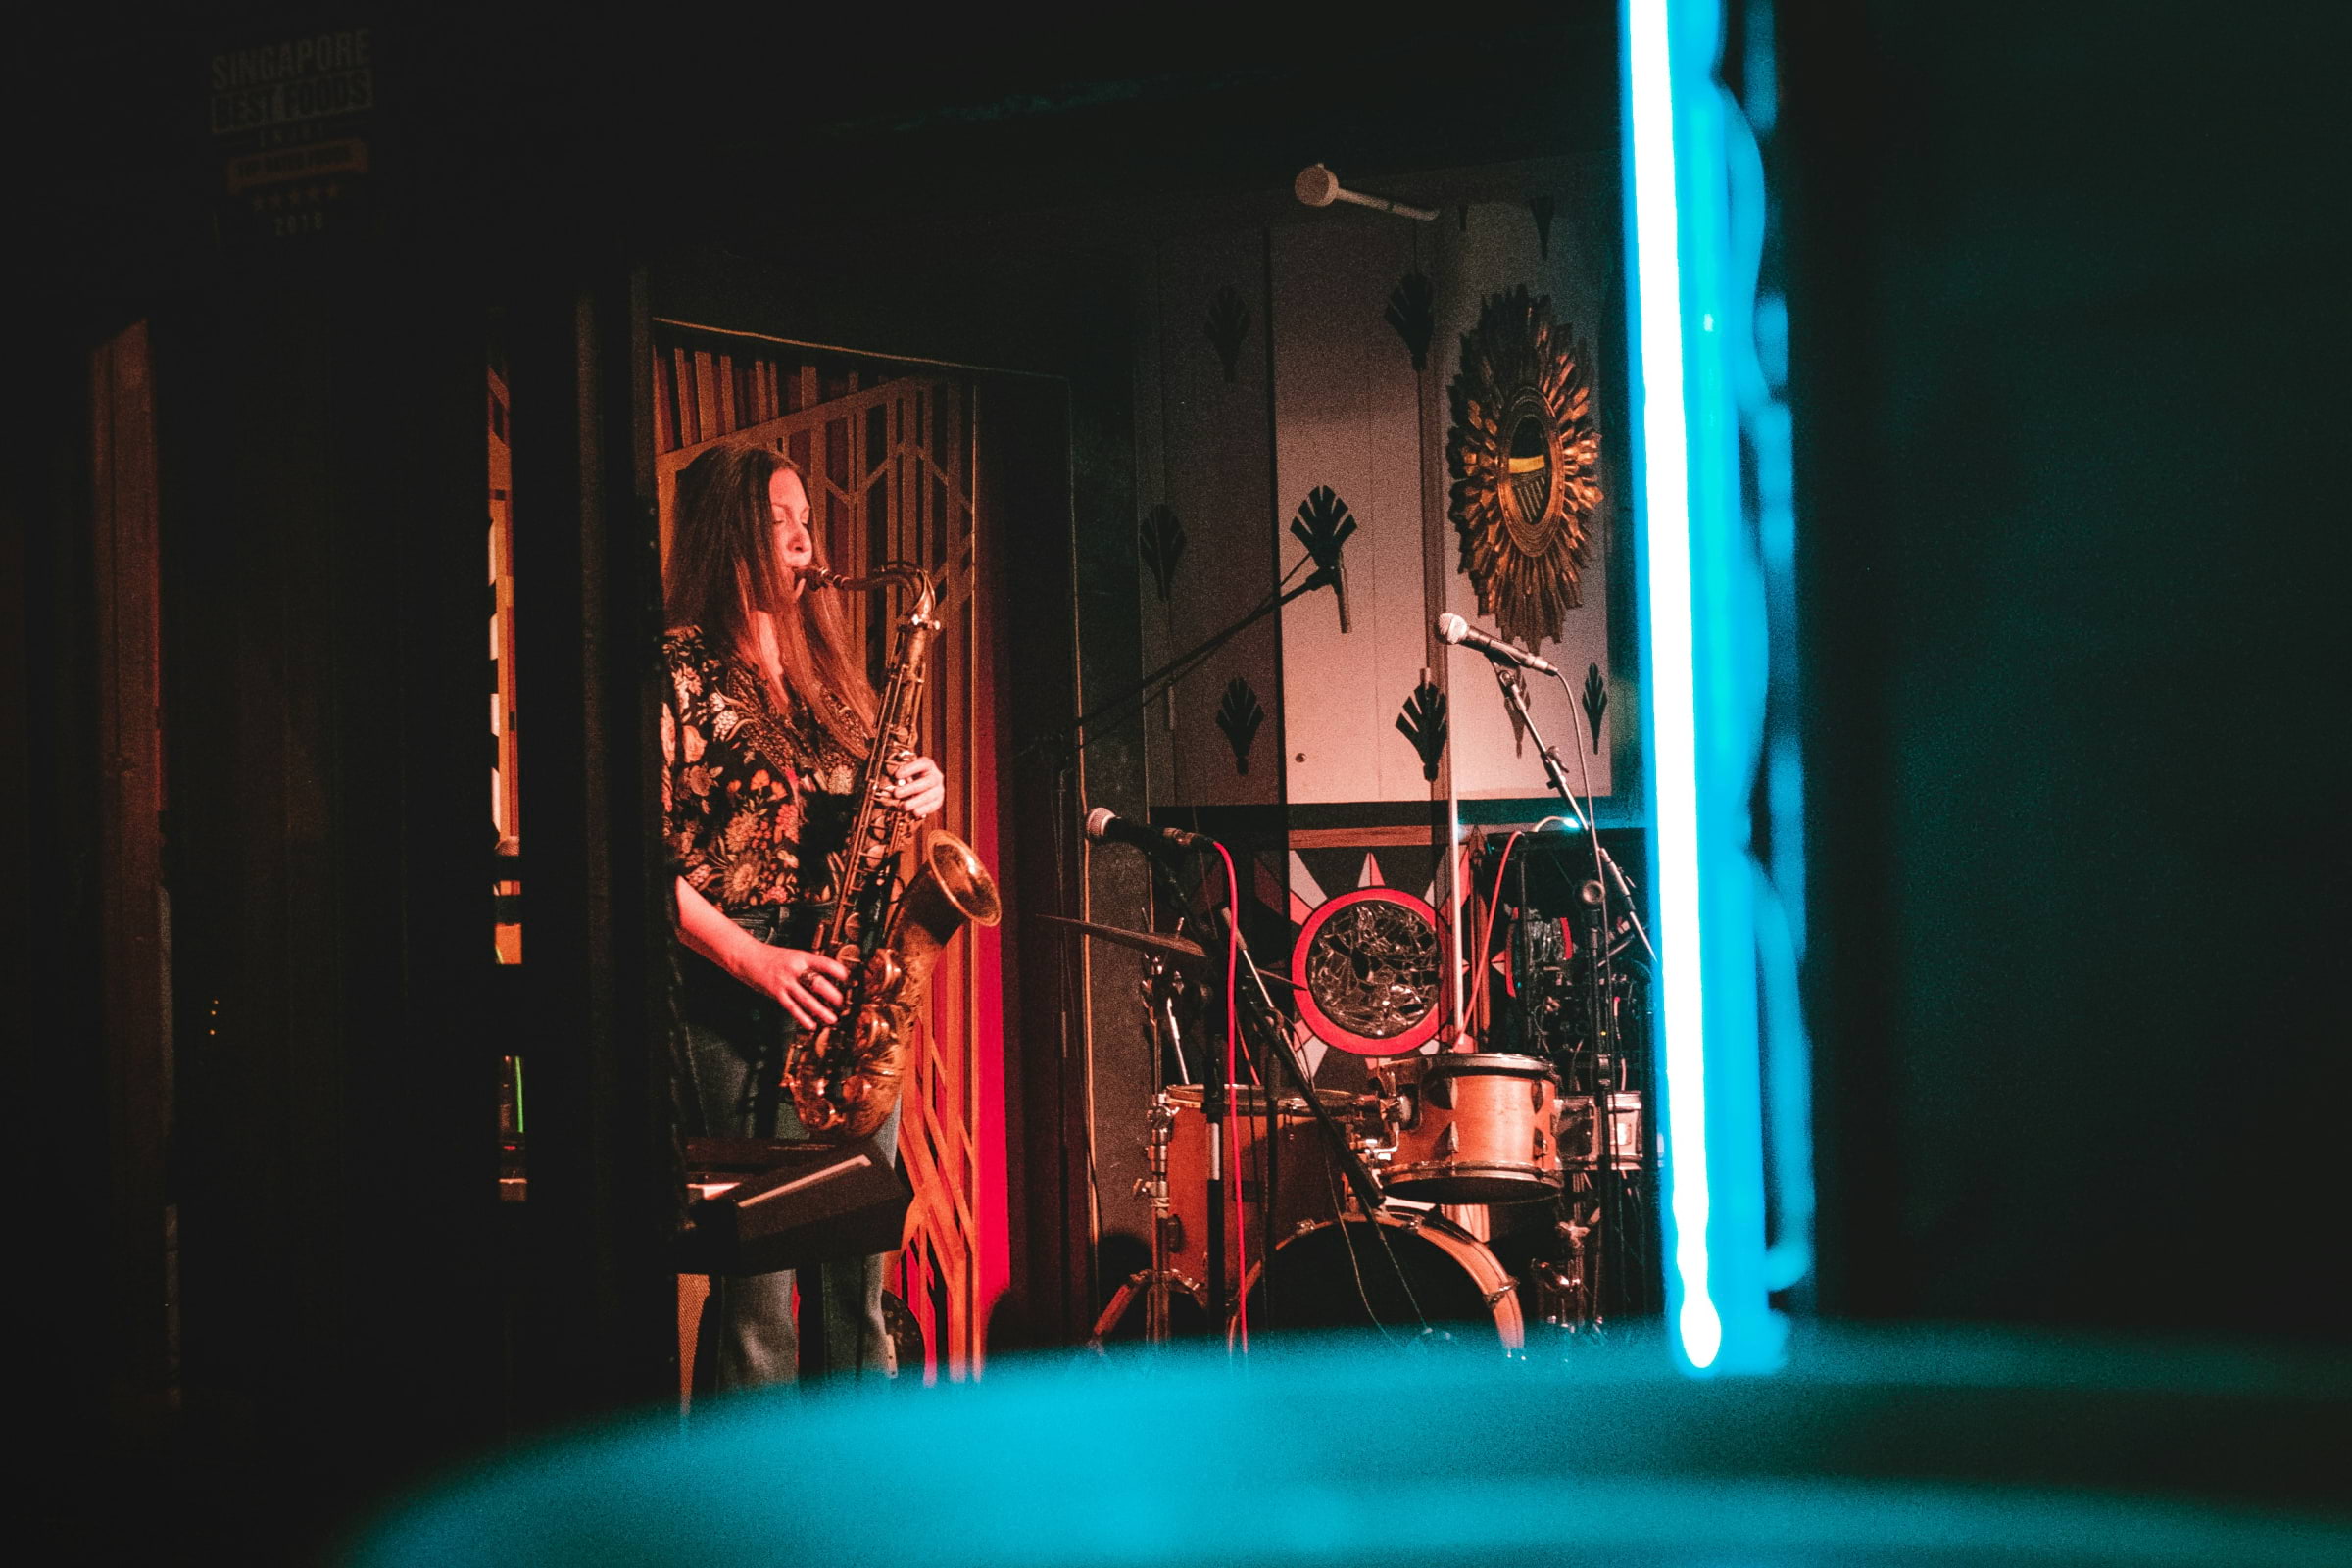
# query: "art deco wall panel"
[[1204, 476], [1348, 420]]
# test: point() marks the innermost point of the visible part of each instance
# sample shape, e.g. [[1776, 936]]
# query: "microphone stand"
[[1264, 1040], [1143, 691], [1603, 863], [1606, 1064], [1263, 1027]]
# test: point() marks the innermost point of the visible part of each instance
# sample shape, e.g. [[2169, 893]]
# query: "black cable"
[[1355, 1267]]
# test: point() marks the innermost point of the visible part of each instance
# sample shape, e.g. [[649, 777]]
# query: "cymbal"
[[1183, 949]]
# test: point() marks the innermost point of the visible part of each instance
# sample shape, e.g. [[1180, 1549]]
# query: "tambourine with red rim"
[[1369, 969]]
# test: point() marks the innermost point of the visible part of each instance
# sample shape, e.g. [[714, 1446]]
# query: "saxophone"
[[844, 1078]]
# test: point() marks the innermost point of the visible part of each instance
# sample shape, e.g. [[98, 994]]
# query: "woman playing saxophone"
[[767, 720]]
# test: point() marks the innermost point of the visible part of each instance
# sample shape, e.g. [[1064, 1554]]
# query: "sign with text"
[[292, 117]]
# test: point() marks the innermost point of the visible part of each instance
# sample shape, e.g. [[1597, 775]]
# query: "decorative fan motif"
[[1596, 702], [1162, 541], [1524, 452], [1239, 716], [1423, 722], [1412, 312], [1228, 324], [1542, 207], [1323, 525]]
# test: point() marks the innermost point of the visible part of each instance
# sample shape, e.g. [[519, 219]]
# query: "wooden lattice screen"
[[889, 466], [505, 783]]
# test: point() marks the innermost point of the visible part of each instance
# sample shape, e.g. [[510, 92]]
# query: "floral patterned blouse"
[[753, 803]]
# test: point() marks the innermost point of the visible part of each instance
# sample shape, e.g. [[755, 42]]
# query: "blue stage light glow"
[[1713, 588], [2012, 1451]]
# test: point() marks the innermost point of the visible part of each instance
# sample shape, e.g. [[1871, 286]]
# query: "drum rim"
[[1479, 1167], [1188, 1097], [1450, 1238], [1504, 1063]]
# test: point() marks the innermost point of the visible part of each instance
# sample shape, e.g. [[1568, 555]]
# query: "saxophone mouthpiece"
[[891, 571]]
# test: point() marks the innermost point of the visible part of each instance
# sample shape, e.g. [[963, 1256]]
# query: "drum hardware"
[[1562, 1283], [1585, 1145], [1159, 1284], [1159, 1289], [1164, 984]]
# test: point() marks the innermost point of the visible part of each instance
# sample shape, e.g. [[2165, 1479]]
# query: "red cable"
[[1455, 904], [1493, 900], [1233, 1163]]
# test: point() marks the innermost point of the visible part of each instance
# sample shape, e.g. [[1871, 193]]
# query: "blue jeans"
[[735, 1040]]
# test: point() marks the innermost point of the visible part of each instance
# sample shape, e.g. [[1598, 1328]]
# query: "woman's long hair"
[[723, 565]]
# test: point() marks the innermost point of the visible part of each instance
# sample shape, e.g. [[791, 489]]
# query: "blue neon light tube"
[[1701, 591]]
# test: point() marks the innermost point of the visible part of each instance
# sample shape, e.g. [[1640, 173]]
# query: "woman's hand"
[[807, 985], [923, 788]]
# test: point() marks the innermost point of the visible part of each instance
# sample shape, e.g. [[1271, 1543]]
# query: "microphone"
[[1455, 631], [1323, 525], [1106, 826]]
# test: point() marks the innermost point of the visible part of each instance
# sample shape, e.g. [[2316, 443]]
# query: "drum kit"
[[1469, 1189], [1473, 1156]]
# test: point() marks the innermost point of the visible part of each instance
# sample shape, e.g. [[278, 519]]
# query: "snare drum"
[[1477, 1129], [1405, 1272]]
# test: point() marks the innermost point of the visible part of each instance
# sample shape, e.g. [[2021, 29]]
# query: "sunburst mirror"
[[1524, 451]]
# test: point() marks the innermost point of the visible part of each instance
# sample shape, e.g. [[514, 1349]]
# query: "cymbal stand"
[[1157, 1283], [1607, 1064], [1168, 1037]]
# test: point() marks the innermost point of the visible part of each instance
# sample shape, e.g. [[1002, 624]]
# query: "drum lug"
[[1450, 1141], [1534, 1093]]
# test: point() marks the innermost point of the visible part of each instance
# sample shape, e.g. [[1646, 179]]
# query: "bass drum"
[[1411, 1274]]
